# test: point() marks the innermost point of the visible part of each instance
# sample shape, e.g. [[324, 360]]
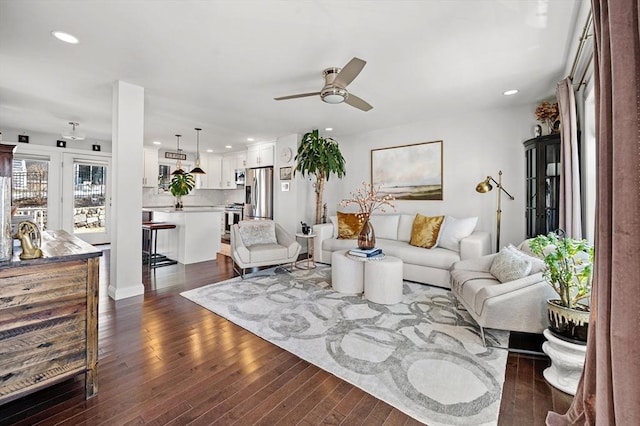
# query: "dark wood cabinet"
[[49, 317], [542, 167]]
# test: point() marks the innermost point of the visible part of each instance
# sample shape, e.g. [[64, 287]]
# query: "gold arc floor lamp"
[[485, 186]]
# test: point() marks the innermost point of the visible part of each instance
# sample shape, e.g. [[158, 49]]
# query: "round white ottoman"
[[347, 275], [383, 280]]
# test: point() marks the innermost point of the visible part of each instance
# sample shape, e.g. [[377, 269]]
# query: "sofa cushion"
[[425, 231], [257, 232], [334, 244], [267, 252], [508, 266], [385, 225], [453, 230], [349, 225], [434, 258], [405, 224]]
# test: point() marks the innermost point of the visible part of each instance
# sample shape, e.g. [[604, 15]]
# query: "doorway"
[[86, 186]]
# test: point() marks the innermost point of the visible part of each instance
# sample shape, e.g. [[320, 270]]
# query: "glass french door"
[[86, 198], [31, 190]]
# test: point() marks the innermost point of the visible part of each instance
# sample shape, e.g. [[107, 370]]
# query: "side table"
[[311, 264]]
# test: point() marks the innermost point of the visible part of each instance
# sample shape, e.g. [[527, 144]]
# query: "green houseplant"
[[181, 184], [320, 157], [569, 267]]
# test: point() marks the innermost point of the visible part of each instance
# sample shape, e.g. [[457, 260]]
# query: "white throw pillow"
[[508, 266], [537, 264], [258, 232], [453, 230], [334, 220], [385, 225], [405, 226]]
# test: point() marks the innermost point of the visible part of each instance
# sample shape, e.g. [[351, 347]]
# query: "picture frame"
[[409, 172], [23, 138], [285, 173]]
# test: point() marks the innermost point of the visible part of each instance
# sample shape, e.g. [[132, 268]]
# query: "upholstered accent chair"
[[515, 304], [257, 243]]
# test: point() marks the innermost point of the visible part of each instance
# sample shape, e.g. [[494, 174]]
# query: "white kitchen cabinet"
[[241, 160], [150, 167], [260, 155], [212, 165], [229, 163]]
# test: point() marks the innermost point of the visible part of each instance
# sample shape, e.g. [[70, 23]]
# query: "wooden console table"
[[49, 317]]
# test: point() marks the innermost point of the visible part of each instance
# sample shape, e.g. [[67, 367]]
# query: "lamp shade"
[[484, 186], [197, 170]]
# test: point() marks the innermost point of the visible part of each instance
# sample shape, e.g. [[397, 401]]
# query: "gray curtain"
[[609, 390], [570, 200]]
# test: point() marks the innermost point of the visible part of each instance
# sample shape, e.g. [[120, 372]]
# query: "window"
[[30, 190]]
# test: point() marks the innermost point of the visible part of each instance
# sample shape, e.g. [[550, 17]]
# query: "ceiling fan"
[[335, 86]]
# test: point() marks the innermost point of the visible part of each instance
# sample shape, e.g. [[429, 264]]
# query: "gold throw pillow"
[[425, 231], [349, 226]]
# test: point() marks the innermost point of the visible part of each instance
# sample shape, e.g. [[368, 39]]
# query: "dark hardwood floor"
[[165, 360]]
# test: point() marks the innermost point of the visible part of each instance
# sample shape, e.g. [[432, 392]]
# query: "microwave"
[[239, 176]]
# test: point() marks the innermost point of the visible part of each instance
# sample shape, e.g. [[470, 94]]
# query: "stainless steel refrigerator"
[[258, 199]]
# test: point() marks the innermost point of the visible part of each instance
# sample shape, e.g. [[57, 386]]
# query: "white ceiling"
[[219, 64]]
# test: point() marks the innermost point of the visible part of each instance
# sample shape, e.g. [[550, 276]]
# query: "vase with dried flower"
[[548, 113], [368, 199]]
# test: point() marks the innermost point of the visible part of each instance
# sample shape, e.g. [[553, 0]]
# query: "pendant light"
[[197, 170], [178, 170]]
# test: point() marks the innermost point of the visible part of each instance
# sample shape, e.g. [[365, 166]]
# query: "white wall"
[[285, 203], [49, 139], [476, 144]]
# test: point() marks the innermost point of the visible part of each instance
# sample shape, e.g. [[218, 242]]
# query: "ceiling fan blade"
[[301, 95], [349, 72], [357, 102]]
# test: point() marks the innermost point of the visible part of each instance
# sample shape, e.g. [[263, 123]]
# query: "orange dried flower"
[[547, 111]]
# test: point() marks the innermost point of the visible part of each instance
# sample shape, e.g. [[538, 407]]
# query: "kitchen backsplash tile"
[[197, 197]]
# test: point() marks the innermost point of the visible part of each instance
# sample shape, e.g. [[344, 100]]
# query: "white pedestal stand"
[[567, 360]]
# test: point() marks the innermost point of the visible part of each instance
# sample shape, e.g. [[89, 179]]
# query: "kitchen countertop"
[[187, 209]]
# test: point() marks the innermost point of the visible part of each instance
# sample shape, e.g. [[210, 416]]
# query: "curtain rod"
[[583, 38]]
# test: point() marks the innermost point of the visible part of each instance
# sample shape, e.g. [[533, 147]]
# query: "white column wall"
[[126, 209]]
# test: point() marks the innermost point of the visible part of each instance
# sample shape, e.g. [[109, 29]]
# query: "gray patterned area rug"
[[422, 356]]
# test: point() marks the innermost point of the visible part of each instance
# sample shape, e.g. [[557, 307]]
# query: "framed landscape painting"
[[408, 172]]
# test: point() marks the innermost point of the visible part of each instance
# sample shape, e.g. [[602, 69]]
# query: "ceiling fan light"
[[74, 134], [334, 95]]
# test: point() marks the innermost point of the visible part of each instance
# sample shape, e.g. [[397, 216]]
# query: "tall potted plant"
[[320, 157], [181, 184], [569, 271]]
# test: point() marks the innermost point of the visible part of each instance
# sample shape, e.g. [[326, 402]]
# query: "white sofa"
[[518, 305], [393, 232]]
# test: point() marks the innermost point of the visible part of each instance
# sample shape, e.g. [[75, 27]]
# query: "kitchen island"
[[196, 237]]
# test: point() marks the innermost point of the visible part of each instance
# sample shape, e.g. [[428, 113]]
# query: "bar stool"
[[150, 241]]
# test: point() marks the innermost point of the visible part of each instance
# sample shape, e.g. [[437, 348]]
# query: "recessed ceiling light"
[[250, 139], [228, 146], [328, 129], [157, 143], [510, 92], [209, 150], [66, 37]]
